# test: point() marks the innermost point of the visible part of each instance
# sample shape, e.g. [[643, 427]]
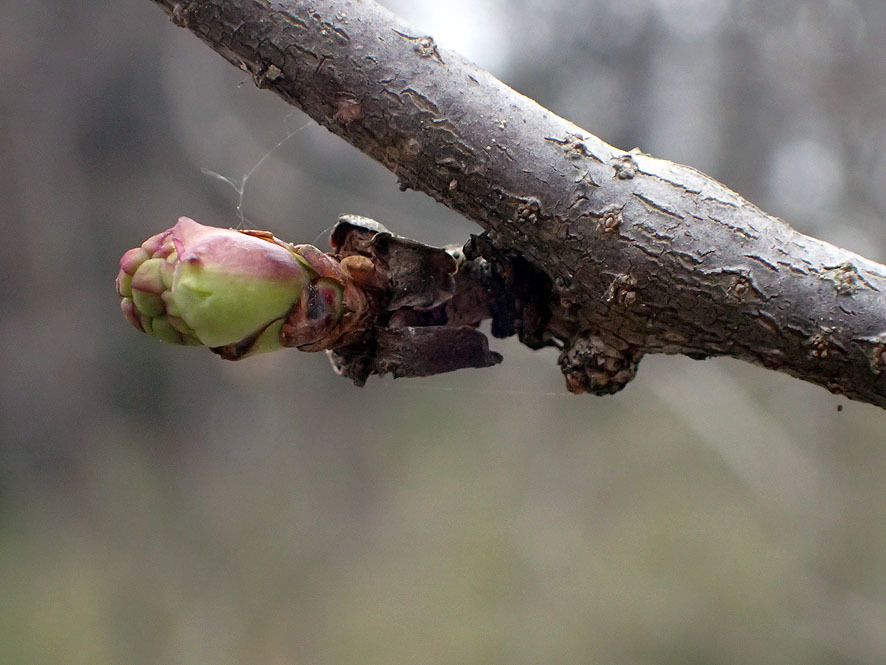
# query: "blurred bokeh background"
[[159, 505]]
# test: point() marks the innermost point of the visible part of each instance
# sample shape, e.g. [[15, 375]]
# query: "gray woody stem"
[[646, 256]]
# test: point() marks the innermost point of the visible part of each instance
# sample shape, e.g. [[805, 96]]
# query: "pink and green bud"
[[196, 284]]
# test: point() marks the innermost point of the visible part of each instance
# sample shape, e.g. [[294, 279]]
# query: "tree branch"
[[644, 255]]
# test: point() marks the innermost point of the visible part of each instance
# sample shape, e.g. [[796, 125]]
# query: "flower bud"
[[196, 284]]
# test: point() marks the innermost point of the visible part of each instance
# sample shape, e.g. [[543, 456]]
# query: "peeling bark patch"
[[573, 147], [585, 183], [421, 102], [657, 206], [767, 322], [743, 232], [797, 270], [761, 260], [326, 28], [503, 149]]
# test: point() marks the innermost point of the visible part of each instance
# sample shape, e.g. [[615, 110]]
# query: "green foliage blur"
[[159, 505]]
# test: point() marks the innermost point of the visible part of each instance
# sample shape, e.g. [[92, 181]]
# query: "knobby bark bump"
[[642, 255]]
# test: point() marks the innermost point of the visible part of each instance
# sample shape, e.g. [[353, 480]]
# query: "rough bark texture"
[[645, 256]]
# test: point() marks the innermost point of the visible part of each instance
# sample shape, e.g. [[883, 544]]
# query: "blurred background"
[[159, 505]]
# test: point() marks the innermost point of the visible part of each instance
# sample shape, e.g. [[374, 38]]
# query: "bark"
[[643, 255]]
